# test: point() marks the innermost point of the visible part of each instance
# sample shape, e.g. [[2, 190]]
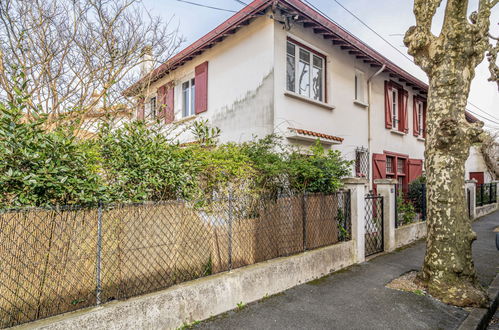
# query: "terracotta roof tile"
[[316, 134]]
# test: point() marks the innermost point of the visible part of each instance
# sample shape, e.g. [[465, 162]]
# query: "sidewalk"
[[356, 298]]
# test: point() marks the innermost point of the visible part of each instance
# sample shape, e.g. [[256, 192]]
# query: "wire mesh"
[[373, 224], [54, 261]]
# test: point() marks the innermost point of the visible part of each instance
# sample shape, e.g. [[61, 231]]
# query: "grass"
[[186, 326], [240, 306]]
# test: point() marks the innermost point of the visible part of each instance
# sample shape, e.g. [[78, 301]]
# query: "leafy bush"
[[39, 166], [140, 164], [320, 172], [405, 211], [137, 162], [415, 193]]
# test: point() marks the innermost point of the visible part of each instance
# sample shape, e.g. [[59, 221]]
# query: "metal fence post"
[[230, 229], [98, 289], [304, 220]]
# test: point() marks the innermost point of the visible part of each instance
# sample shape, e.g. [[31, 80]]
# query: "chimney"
[[146, 64]]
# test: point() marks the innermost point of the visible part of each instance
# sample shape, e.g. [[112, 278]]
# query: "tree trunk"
[[448, 271]]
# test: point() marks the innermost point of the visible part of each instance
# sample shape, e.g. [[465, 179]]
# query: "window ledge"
[[360, 103], [421, 139], [184, 119], [397, 132], [308, 100]]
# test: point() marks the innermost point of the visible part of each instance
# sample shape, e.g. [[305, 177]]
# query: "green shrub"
[[139, 163], [319, 172], [41, 167]]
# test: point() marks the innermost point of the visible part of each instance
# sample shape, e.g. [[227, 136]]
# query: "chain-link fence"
[[59, 260]]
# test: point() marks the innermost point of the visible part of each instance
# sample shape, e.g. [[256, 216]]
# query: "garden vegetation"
[[137, 162]]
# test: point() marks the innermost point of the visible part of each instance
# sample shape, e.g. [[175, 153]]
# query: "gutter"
[[369, 135]]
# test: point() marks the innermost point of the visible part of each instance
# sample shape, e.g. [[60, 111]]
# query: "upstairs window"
[[150, 112], [396, 99], [395, 109], [305, 71], [188, 98], [359, 86]]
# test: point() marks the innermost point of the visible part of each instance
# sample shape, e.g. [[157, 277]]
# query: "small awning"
[[306, 135]]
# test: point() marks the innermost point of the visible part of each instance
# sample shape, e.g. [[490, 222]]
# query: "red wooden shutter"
[[140, 108], [415, 117], [201, 81], [415, 169], [170, 103], [404, 124], [388, 105], [379, 166], [161, 101]]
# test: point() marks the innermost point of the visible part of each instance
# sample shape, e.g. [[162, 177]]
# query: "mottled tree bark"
[[449, 60]]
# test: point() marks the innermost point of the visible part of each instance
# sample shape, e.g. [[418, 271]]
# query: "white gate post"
[[357, 187], [471, 186], [386, 188]]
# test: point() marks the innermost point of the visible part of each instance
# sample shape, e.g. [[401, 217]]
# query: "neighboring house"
[[281, 67]]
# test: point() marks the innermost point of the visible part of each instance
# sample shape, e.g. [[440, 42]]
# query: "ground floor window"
[[362, 162]]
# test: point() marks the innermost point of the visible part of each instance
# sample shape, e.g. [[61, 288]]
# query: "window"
[[400, 166], [188, 98], [361, 163], [420, 117], [305, 72], [389, 165], [359, 86], [395, 108], [150, 109]]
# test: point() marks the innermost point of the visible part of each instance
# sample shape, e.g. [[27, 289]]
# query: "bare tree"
[[489, 148], [79, 55], [449, 61]]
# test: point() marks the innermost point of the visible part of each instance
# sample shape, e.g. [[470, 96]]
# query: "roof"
[[316, 134], [301, 14]]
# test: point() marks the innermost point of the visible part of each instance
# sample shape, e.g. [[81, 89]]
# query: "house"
[[281, 67]]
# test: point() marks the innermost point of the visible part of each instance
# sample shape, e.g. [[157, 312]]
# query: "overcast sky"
[[390, 18]]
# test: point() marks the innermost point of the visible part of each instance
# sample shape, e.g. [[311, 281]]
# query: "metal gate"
[[374, 224]]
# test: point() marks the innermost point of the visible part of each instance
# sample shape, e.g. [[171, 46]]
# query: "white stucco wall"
[[247, 85], [476, 163], [347, 120], [240, 83]]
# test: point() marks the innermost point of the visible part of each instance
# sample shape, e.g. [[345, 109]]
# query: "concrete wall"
[[203, 298], [409, 233], [480, 211]]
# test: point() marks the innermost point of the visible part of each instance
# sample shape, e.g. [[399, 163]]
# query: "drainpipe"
[[369, 137]]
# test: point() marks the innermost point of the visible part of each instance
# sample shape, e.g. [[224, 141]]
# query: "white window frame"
[[150, 112], [395, 109], [188, 106], [420, 111], [311, 53], [360, 94]]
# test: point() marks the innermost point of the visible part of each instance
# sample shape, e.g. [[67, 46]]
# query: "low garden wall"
[[409, 233], [480, 211], [205, 297]]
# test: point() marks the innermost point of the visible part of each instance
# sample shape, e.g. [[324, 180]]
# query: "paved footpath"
[[356, 298]]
